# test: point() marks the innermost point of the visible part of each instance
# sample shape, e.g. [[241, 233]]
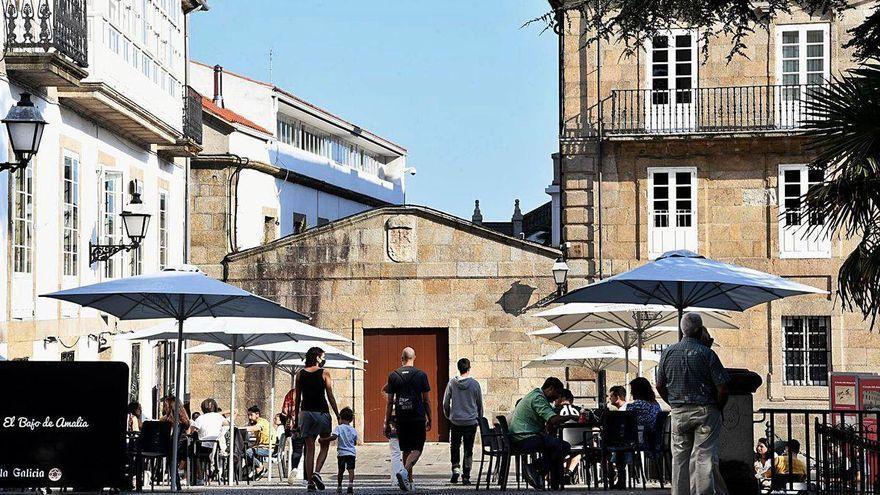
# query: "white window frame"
[[791, 96], [819, 238], [672, 219], [162, 228], [671, 116], [70, 258], [23, 246], [805, 351], [113, 266]]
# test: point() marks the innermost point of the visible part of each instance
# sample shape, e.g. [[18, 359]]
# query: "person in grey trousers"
[[463, 405], [691, 378]]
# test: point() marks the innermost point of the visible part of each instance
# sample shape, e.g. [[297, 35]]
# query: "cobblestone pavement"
[[373, 477]]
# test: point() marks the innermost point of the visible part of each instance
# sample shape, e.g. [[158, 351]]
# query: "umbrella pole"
[[175, 432], [680, 315], [639, 343], [231, 476], [272, 414]]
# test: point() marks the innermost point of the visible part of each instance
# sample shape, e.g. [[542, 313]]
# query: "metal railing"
[[820, 434], [707, 110], [57, 26], [849, 461], [192, 115]]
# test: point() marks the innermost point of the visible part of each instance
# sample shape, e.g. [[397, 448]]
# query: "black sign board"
[[62, 424]]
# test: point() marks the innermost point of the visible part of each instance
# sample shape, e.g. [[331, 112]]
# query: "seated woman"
[[644, 405], [763, 466]]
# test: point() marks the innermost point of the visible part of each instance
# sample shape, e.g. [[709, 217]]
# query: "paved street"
[[373, 477]]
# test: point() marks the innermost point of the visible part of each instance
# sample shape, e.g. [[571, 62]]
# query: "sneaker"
[[403, 480], [465, 480], [311, 487], [350, 491], [319, 483], [454, 479]]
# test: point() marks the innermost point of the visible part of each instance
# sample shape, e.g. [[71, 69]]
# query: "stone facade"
[[606, 209], [403, 267]]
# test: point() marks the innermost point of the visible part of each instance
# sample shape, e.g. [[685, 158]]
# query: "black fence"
[[837, 451], [707, 110], [59, 26]]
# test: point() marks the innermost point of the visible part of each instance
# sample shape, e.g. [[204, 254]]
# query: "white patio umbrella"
[[270, 354], [232, 335], [684, 279], [624, 325], [608, 358], [623, 338], [174, 294]]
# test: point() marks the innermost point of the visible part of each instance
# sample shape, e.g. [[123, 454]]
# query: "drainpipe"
[[560, 22], [599, 143]]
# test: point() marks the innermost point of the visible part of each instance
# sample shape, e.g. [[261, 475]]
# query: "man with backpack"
[[407, 391]]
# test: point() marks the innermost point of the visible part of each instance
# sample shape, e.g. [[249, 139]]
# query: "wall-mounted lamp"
[[25, 125], [135, 220]]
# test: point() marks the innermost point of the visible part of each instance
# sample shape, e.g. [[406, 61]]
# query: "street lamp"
[[560, 275], [135, 220], [25, 127]]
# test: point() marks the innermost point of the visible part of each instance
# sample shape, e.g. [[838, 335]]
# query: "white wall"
[[259, 193], [248, 98], [127, 76]]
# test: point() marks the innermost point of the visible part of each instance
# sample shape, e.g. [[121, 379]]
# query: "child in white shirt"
[[346, 436]]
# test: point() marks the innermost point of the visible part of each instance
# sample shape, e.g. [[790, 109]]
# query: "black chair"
[[620, 436], [154, 444], [492, 447], [279, 455], [520, 456], [581, 439], [237, 457], [205, 454], [657, 442]]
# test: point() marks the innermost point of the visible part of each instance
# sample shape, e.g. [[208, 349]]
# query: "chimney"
[[477, 217], [218, 86], [517, 220]]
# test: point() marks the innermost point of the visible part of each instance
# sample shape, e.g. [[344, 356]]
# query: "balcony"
[[706, 111], [46, 41], [190, 144]]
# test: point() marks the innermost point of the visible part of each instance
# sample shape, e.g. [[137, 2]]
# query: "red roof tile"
[[230, 116]]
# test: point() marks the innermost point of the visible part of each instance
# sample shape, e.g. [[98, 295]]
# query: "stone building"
[[668, 149], [396, 276]]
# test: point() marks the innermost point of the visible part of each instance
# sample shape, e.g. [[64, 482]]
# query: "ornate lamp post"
[[560, 275], [25, 125], [135, 220]]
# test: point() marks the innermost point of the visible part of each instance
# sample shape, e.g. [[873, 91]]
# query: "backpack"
[[406, 399]]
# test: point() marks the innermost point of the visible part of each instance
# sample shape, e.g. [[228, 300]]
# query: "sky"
[[460, 84]]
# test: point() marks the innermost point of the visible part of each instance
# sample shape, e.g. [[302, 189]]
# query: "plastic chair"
[[492, 447], [153, 444], [519, 456], [657, 442], [620, 435], [279, 455]]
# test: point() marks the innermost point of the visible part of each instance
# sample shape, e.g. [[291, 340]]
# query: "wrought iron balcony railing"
[[59, 26], [706, 110], [192, 115]]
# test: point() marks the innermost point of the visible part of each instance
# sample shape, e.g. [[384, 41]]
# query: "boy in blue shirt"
[[346, 436]]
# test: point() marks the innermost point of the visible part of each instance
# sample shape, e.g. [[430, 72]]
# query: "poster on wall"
[[869, 397], [62, 424], [844, 393]]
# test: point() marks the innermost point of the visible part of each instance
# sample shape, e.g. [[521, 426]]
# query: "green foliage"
[[844, 120]]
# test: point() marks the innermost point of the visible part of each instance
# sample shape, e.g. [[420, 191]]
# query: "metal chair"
[[492, 447]]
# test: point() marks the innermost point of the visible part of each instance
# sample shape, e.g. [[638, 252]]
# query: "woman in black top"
[[314, 389]]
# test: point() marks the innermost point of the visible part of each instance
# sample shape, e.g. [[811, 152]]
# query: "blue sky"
[[471, 95]]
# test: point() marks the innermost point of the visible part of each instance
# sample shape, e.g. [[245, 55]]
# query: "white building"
[[110, 81], [301, 165]]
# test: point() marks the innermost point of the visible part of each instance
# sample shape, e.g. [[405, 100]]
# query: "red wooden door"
[[382, 349]]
